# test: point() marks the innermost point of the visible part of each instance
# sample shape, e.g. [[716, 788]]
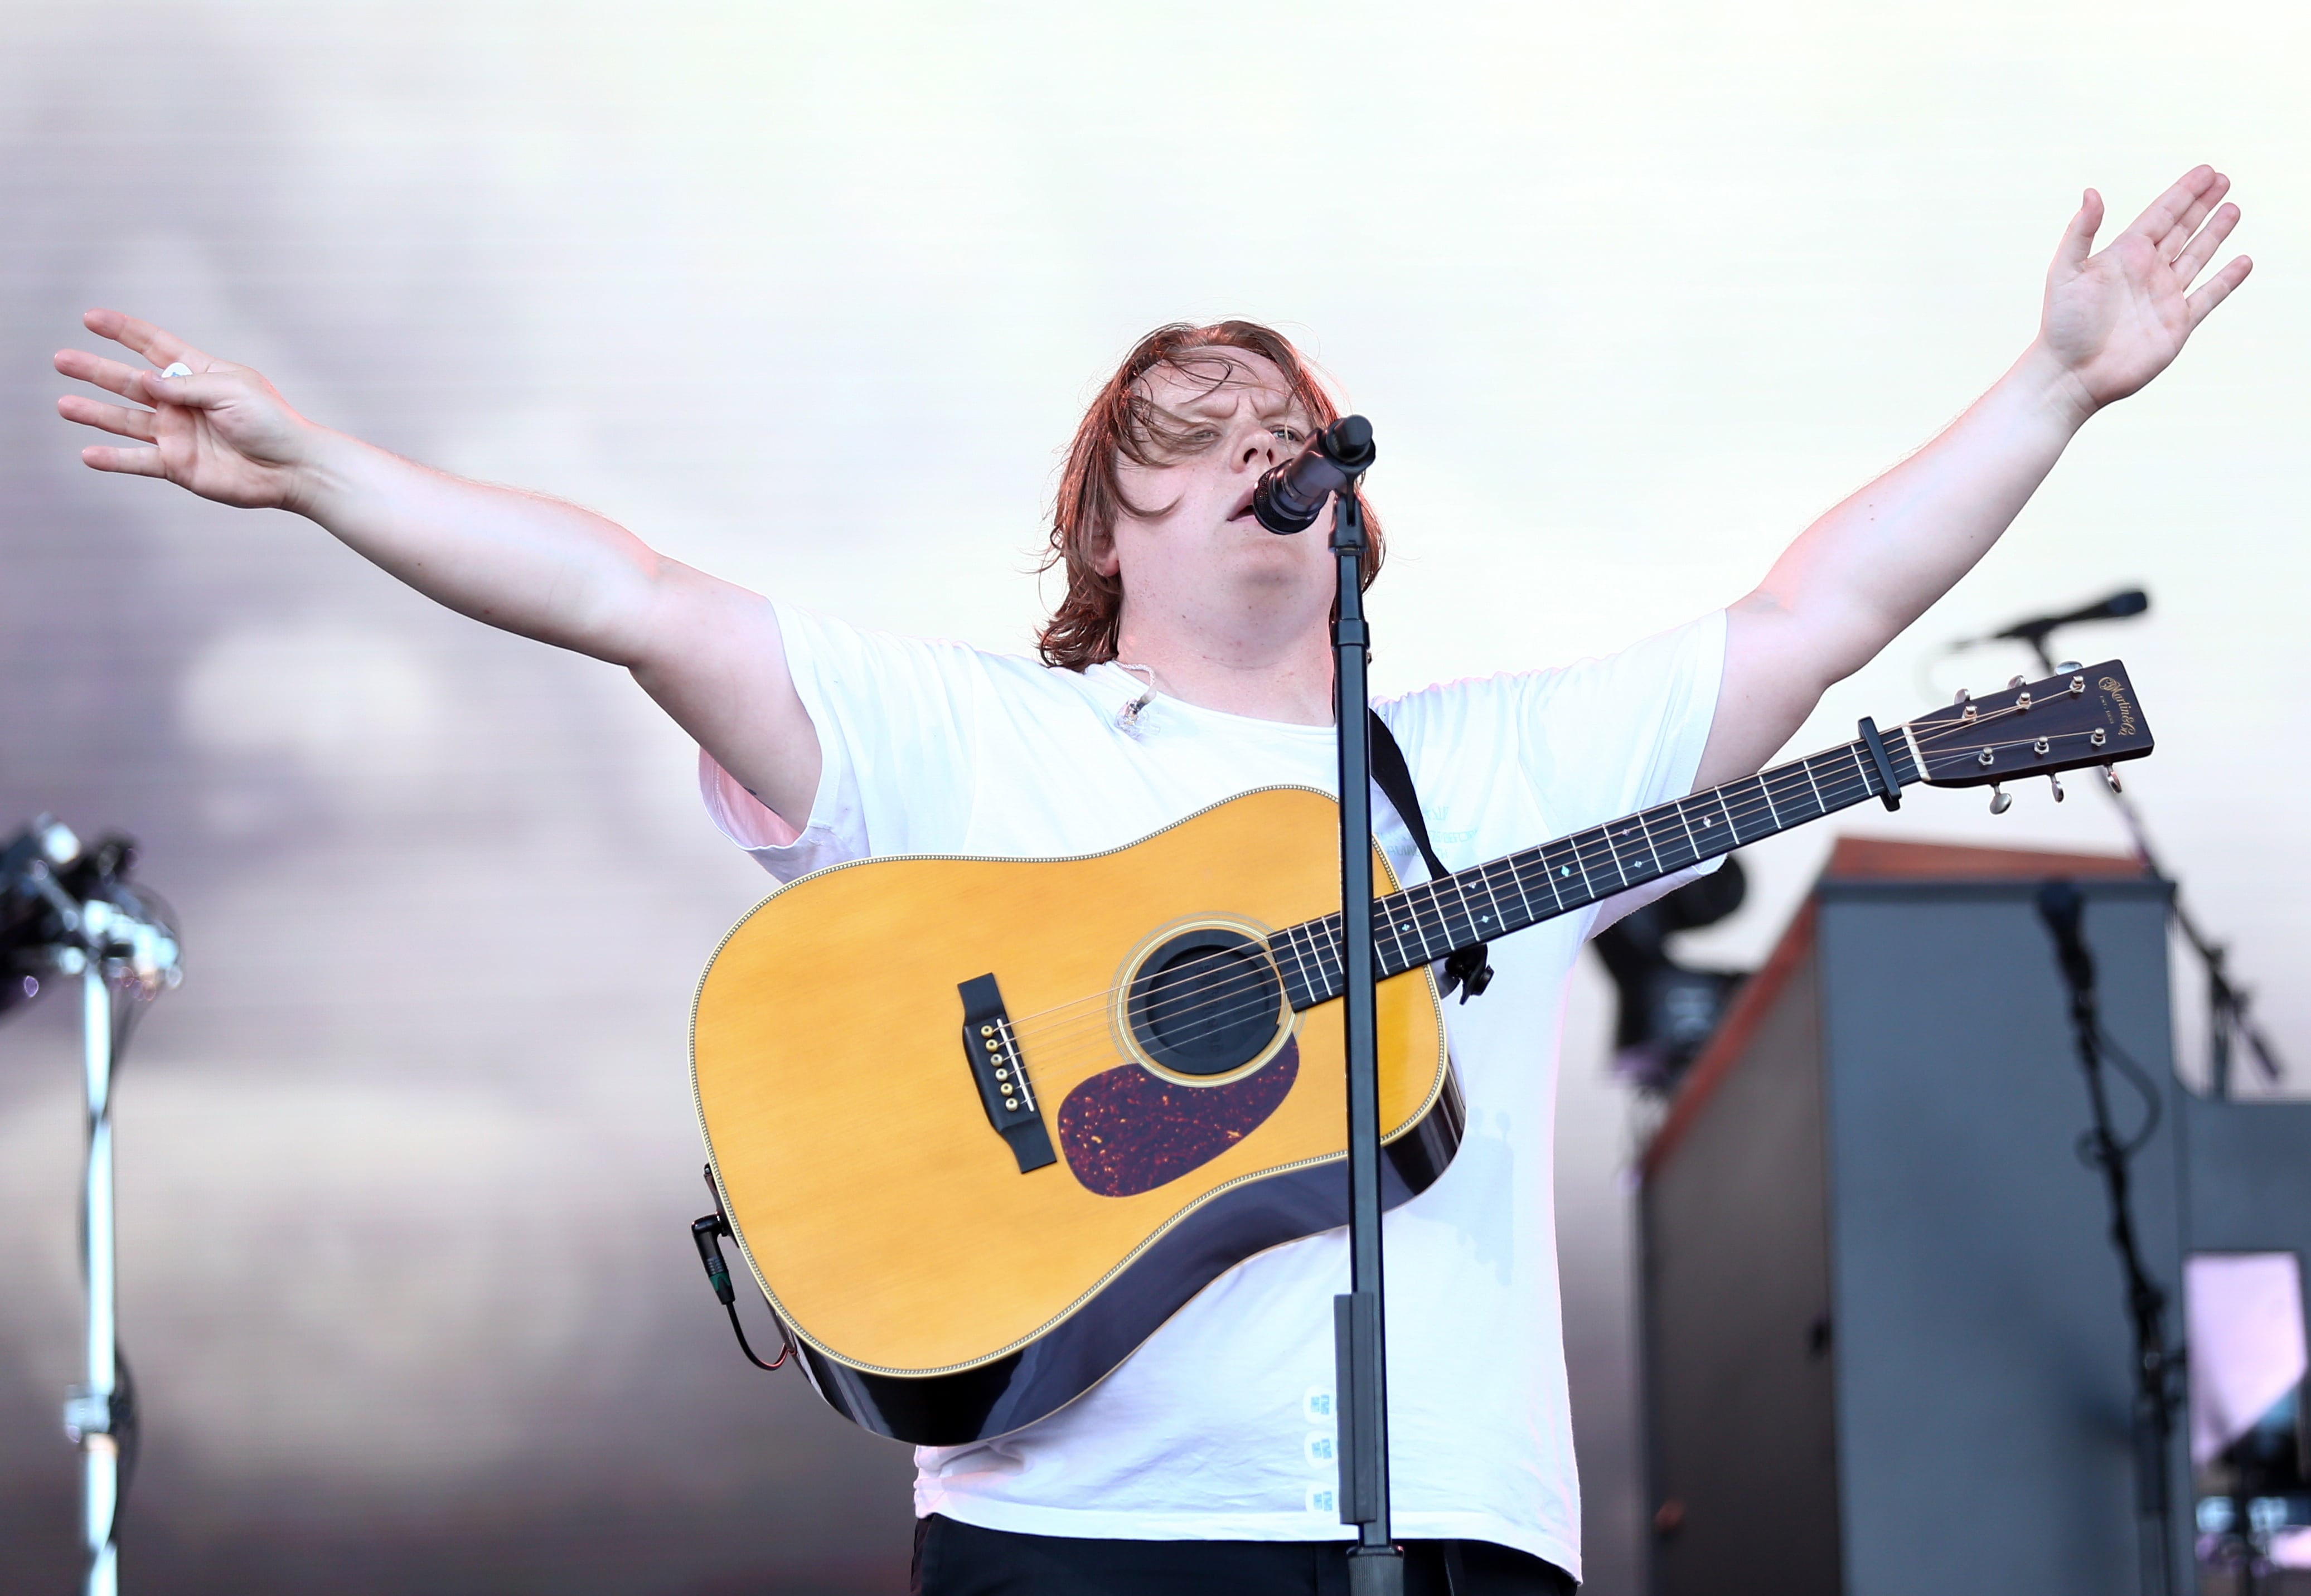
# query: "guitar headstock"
[[2066, 722]]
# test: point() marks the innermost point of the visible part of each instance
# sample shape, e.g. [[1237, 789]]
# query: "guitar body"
[[938, 1288]]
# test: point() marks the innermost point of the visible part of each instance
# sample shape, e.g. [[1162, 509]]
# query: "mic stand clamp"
[[1359, 1320]]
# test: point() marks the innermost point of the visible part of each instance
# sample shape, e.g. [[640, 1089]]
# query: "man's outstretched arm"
[[710, 652], [1871, 565]]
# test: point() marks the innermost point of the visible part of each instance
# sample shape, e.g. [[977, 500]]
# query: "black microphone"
[[1287, 498], [2133, 602], [2060, 906]]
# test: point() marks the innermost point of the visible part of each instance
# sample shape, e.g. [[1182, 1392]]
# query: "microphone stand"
[[1376, 1565], [2155, 1362], [111, 946], [2227, 1005], [95, 1412]]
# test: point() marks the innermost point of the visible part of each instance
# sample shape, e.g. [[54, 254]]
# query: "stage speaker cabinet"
[[1886, 1346]]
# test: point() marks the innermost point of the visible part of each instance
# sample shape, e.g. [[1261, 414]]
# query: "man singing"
[[1188, 662]]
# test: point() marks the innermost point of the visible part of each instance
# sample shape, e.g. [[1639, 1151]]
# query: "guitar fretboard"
[[1424, 923]]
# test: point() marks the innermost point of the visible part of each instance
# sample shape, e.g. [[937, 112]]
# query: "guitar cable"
[[706, 1233]]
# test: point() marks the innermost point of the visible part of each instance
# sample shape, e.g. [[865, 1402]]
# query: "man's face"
[[1201, 557]]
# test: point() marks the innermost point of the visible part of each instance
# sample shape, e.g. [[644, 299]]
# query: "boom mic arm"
[[2133, 601]]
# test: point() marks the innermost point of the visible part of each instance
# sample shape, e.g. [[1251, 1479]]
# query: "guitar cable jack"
[[706, 1233]]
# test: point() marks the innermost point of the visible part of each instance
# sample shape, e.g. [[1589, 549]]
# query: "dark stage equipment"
[[71, 910], [1668, 1010], [2247, 1200], [2250, 1442], [1888, 1340]]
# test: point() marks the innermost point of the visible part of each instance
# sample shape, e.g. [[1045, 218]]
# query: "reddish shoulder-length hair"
[[1124, 422]]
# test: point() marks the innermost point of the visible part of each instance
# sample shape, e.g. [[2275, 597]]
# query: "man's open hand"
[[222, 432], [2114, 319]]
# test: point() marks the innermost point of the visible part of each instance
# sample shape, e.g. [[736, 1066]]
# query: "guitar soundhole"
[[1206, 1002]]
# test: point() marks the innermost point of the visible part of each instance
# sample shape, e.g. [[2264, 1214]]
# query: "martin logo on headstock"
[[2116, 689]]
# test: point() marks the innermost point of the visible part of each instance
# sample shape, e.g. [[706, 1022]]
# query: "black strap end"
[[1471, 971], [1469, 968]]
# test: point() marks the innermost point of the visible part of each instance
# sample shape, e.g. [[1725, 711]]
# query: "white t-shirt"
[[1219, 1427]]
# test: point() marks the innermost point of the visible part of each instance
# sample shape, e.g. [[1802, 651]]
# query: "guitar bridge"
[[1001, 1075]]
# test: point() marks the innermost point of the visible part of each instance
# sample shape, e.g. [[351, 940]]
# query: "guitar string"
[[1750, 806], [1431, 915], [1423, 917], [1256, 990], [1749, 811]]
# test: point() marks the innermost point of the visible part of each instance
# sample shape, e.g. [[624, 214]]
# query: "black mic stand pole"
[[2227, 1005], [1375, 1567], [2156, 1364]]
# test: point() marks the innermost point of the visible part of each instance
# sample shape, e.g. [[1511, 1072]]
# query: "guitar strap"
[[1469, 968]]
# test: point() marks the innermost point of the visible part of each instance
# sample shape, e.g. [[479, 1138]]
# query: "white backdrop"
[[813, 299]]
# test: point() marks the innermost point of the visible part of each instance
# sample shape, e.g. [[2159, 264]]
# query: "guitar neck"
[[1425, 922]]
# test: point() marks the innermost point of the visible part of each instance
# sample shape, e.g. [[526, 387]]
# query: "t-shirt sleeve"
[[1601, 738], [1579, 745], [897, 720]]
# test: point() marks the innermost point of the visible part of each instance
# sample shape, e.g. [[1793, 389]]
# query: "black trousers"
[[959, 1559]]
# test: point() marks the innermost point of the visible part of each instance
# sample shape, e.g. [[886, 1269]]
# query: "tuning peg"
[[1962, 697], [2055, 780], [2110, 774], [2001, 800], [2069, 667], [2014, 681]]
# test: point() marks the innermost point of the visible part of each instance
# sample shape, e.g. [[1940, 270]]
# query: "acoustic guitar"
[[982, 1125]]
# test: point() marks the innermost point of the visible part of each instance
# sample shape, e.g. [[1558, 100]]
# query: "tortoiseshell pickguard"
[[1125, 1131]]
